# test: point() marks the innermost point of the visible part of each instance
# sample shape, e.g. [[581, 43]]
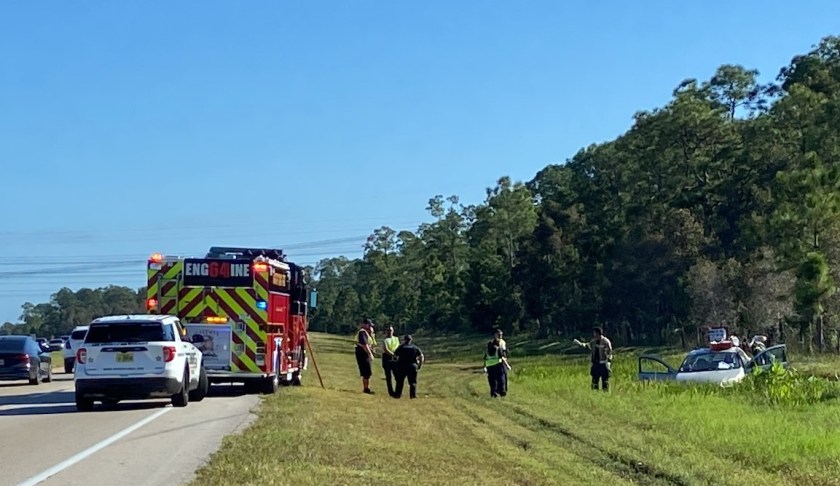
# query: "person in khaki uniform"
[[602, 352]]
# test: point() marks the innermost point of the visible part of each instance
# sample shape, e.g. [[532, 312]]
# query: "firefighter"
[[495, 356], [389, 359], [364, 353], [601, 358], [409, 361]]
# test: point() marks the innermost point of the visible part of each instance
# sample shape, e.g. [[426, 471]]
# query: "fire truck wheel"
[[271, 384], [199, 393], [182, 398]]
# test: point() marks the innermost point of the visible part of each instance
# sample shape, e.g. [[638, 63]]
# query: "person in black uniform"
[[364, 353], [409, 361]]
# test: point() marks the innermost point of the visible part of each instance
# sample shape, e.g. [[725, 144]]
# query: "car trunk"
[[11, 361]]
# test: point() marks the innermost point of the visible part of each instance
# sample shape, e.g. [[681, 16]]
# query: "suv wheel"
[[182, 398], [83, 404], [199, 393]]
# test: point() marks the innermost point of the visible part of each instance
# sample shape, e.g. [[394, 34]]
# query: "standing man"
[[364, 353], [495, 356], [389, 358], [409, 361], [602, 352]]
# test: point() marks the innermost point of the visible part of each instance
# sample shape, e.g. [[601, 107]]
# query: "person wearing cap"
[[389, 358], [409, 361], [364, 353], [495, 365]]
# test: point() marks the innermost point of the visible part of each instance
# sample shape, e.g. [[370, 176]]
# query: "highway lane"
[[166, 448]]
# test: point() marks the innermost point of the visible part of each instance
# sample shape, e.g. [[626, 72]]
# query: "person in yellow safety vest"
[[389, 359], [495, 355], [602, 354], [365, 342]]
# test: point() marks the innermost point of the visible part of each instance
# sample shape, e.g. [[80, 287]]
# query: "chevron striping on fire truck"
[[247, 309]]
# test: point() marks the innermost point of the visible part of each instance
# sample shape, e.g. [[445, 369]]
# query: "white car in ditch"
[[136, 357], [720, 364]]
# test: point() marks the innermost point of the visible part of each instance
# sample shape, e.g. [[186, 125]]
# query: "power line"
[[244, 231], [192, 226], [92, 259]]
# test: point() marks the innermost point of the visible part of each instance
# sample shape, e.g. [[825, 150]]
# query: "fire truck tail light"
[[156, 258], [260, 267], [151, 304]]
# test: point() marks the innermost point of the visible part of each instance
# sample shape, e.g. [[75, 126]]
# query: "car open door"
[[654, 368], [766, 358]]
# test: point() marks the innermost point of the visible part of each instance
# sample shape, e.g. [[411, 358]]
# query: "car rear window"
[[76, 335], [11, 345], [125, 332]]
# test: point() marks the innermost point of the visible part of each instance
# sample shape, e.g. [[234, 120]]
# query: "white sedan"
[[705, 365]]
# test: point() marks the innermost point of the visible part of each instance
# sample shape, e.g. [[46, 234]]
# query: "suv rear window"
[[125, 332], [11, 345], [77, 335]]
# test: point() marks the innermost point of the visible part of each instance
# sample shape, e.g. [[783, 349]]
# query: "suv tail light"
[[81, 355], [168, 353]]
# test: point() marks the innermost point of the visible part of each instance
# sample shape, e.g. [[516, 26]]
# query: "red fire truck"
[[246, 309]]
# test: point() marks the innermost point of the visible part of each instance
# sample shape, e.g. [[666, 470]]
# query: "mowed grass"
[[551, 429]]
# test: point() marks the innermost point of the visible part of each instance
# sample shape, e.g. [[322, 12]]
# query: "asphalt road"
[[136, 443]]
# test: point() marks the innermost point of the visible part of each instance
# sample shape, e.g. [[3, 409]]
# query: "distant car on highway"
[[21, 358], [138, 357], [721, 365], [56, 344], [77, 337]]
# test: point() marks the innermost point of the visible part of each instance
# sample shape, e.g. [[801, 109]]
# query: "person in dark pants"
[[409, 361], [601, 358], [364, 353], [495, 365], [389, 359]]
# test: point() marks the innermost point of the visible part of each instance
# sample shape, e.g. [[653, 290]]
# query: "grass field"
[[551, 429], [57, 360]]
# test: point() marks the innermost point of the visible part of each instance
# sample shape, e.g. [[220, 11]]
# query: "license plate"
[[125, 357]]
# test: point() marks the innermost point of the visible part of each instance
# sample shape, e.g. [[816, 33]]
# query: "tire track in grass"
[[565, 464], [622, 464], [588, 452]]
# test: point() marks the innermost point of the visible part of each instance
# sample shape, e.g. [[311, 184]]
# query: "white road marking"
[[91, 450]]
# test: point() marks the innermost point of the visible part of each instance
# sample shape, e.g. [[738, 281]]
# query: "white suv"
[[136, 357], [77, 337]]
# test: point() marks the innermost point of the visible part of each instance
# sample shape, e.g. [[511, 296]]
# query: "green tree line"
[[719, 208], [67, 309]]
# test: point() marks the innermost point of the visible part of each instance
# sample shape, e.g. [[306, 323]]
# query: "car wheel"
[[83, 404], [199, 393], [37, 380], [182, 398], [48, 379]]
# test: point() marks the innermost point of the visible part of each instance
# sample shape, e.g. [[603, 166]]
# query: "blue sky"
[[128, 128]]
